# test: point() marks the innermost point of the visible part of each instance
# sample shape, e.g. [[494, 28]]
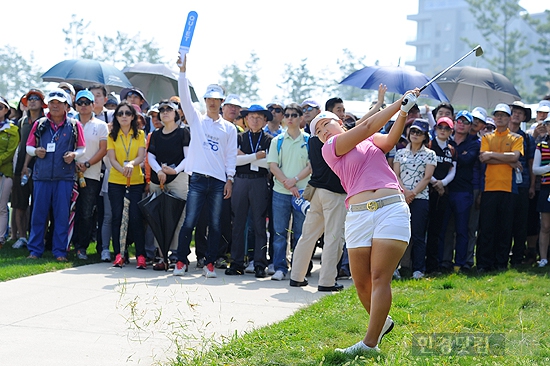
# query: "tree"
[[242, 81], [79, 44], [17, 75], [348, 64], [298, 83], [494, 19], [542, 47], [120, 50], [125, 50]]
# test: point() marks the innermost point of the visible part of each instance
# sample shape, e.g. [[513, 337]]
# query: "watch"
[[87, 165], [229, 177]]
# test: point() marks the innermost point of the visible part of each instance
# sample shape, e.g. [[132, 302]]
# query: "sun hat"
[[320, 116], [258, 109]]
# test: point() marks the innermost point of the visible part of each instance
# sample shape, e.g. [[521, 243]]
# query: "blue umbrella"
[[397, 79], [87, 72]]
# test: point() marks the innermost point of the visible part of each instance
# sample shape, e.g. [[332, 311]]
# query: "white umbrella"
[[156, 81]]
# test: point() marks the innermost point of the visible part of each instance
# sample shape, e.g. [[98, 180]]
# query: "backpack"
[[280, 139], [42, 127]]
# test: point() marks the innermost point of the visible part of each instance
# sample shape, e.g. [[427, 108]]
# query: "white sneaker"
[[396, 275], [543, 263], [278, 276], [180, 269], [208, 271], [358, 347], [250, 267], [388, 326], [105, 255], [418, 275], [20, 243], [271, 269]]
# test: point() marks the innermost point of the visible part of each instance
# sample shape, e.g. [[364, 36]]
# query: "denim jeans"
[[202, 190], [135, 224], [282, 209], [87, 198]]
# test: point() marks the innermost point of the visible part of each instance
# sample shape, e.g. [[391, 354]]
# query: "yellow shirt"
[[498, 177], [126, 149]]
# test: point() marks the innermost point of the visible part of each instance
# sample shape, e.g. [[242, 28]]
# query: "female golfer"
[[377, 222]]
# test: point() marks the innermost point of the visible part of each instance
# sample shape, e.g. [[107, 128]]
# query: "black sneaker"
[[259, 272], [201, 262], [220, 263], [234, 271]]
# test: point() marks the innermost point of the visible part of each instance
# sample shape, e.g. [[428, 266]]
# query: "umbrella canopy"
[[477, 86], [397, 79], [87, 72], [156, 81], [162, 211]]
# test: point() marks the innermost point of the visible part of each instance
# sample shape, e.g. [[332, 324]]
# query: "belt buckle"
[[372, 205]]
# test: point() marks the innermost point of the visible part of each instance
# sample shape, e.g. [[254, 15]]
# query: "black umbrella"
[[162, 211], [477, 86]]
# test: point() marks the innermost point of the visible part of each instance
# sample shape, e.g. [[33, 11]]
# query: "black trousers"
[[249, 194], [494, 238], [519, 227]]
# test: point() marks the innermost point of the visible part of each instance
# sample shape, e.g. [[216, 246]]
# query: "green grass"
[[515, 303], [14, 263]]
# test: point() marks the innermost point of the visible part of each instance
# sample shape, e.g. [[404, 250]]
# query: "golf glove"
[[408, 101]]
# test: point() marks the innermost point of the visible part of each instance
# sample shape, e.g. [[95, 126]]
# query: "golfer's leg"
[[385, 254], [360, 267]]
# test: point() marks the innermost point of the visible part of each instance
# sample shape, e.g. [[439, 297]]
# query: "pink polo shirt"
[[364, 168]]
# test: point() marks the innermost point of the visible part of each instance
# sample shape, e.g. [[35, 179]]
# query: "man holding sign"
[[211, 164]]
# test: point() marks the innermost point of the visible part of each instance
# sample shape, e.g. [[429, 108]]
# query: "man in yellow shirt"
[[500, 151]]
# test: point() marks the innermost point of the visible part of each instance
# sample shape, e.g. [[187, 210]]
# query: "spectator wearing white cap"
[[499, 151], [212, 160], [274, 127], [479, 120], [310, 109], [526, 189], [538, 129], [56, 141], [231, 107]]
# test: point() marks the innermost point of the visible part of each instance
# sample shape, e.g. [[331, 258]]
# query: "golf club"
[[477, 49]]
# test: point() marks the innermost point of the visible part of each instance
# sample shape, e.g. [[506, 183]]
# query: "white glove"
[[408, 101]]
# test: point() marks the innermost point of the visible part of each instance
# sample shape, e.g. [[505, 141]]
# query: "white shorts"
[[389, 222]]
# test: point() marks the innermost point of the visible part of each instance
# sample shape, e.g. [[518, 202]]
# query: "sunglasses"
[[57, 94], [489, 128], [444, 128], [34, 97], [133, 94], [124, 113], [416, 131], [276, 110], [308, 109], [464, 121], [291, 115], [165, 110], [84, 102]]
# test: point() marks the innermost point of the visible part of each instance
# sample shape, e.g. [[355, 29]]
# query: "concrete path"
[[99, 315]]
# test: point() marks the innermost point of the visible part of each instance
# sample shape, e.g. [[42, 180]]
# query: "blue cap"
[[421, 124], [258, 109], [85, 94], [464, 113]]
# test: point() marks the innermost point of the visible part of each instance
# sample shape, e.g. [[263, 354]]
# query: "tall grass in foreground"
[[515, 304]]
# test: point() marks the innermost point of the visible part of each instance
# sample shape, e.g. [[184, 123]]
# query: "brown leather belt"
[[374, 205]]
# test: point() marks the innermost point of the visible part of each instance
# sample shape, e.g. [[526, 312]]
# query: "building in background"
[[441, 27]]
